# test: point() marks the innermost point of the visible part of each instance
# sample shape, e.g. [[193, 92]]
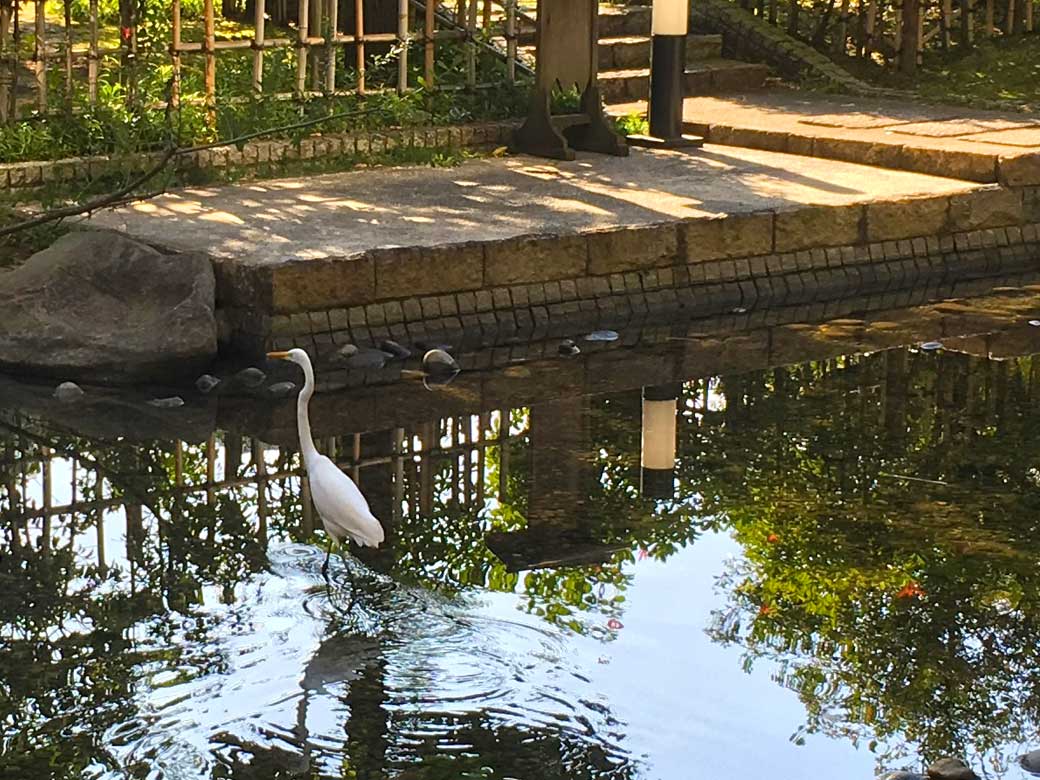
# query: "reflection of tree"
[[898, 608]]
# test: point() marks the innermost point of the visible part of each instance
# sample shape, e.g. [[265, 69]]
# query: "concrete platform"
[[499, 247], [983, 146], [347, 214]]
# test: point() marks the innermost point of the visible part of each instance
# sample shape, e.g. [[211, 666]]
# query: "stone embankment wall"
[[699, 267]]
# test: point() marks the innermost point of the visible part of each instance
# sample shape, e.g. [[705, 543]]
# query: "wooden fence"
[[438, 463], [426, 24], [869, 27]]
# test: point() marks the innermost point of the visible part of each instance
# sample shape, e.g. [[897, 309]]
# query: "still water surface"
[[838, 579]]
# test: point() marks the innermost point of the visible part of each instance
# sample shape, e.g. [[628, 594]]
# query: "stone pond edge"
[[705, 266]]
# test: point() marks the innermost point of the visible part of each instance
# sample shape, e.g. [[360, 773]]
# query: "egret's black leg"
[[328, 554]]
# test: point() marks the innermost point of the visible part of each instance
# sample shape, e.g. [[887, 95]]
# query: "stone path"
[[984, 146], [345, 214]]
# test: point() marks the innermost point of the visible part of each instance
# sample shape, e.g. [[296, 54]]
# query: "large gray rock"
[[100, 307]]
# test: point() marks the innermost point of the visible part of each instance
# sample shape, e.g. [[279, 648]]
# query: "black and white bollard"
[[667, 75], [657, 455]]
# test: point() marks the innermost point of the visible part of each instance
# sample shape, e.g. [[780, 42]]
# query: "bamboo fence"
[[319, 36]]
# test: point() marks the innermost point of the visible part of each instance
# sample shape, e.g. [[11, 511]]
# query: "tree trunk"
[[909, 37]]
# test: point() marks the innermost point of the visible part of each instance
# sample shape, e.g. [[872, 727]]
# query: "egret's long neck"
[[303, 421]]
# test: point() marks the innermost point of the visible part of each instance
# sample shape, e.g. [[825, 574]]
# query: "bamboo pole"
[[471, 46], [6, 64], [332, 21], [259, 15], [402, 42], [842, 34], [967, 22], [990, 14], [175, 51], [1009, 19], [16, 43], [67, 8], [947, 23], [211, 60], [871, 26], [511, 40], [92, 52], [429, 28], [40, 55], [359, 43], [1029, 16], [302, 30], [317, 23]]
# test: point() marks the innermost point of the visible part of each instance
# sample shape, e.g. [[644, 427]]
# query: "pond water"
[[837, 577]]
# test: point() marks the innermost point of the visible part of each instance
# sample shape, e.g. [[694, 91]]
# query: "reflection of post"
[[895, 394], [559, 531], [256, 449], [657, 452], [560, 462]]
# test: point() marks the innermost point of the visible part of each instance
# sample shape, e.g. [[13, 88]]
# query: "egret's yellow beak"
[[277, 355]]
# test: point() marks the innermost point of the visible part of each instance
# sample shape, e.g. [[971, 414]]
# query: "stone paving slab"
[[983, 146], [342, 215]]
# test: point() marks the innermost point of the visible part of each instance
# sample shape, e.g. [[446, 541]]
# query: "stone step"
[[703, 77], [633, 51], [617, 22]]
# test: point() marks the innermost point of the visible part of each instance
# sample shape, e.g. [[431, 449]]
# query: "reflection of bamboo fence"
[[438, 463], [318, 35]]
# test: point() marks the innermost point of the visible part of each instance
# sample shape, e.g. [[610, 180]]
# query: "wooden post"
[[1029, 16], [301, 48], [330, 45], [40, 55], [402, 42], [259, 21], [92, 53], [428, 48], [793, 8], [947, 23], [990, 25], [209, 48], [359, 43], [774, 12], [487, 15], [1009, 20]]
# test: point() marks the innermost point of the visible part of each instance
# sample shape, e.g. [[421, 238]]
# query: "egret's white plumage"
[[343, 509]]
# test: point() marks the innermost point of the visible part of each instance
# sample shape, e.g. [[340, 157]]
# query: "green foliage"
[[632, 124]]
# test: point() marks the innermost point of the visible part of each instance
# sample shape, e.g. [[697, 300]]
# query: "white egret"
[[343, 509]]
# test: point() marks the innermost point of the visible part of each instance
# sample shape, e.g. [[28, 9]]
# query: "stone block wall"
[[697, 268], [25, 175]]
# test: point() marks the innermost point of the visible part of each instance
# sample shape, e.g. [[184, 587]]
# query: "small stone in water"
[[250, 377], [931, 346], [172, 402], [1035, 323], [1031, 762], [901, 775], [568, 347], [437, 361], [68, 392], [367, 359], [281, 389], [951, 769], [602, 335], [346, 352], [395, 350], [206, 383]]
